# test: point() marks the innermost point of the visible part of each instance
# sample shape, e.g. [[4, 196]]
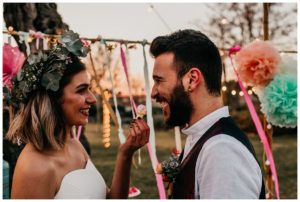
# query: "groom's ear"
[[195, 79]]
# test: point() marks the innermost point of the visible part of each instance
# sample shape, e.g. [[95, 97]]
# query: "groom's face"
[[169, 91]]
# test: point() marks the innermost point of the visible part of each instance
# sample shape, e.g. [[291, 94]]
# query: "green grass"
[[142, 176]]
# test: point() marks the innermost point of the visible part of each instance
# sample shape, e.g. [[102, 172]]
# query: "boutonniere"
[[169, 170]]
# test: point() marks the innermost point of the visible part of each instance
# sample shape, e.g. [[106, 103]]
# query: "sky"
[[131, 21]]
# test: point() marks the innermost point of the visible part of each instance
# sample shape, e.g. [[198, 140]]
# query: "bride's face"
[[77, 99]]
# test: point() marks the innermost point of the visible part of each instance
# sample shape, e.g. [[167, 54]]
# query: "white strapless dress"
[[84, 183]]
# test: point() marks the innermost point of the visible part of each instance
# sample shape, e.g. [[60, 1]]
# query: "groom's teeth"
[[163, 104]]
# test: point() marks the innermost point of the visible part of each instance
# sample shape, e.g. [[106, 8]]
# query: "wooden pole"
[[267, 126], [266, 21]]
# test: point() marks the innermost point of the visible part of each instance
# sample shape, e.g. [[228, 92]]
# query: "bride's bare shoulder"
[[34, 175]]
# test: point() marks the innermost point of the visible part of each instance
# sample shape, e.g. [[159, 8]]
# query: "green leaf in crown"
[[46, 68], [73, 43], [50, 80]]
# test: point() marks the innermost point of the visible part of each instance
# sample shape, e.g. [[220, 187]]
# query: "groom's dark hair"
[[192, 49]]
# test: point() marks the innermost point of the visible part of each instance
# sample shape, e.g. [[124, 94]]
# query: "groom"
[[218, 161]]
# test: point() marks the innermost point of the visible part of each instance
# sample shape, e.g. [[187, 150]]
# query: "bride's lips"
[[85, 111]]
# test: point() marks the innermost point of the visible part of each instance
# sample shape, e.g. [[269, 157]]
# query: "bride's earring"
[[19, 142]]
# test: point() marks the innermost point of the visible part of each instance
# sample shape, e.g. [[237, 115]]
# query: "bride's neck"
[[69, 133]]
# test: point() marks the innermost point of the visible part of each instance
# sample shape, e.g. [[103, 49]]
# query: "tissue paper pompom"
[[258, 63], [13, 60], [279, 101]]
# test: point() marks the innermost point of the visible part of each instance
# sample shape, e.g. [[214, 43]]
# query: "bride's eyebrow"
[[83, 85]]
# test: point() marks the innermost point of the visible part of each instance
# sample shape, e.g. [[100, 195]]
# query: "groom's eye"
[[157, 80]]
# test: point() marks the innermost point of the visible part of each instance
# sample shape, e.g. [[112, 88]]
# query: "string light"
[[106, 122], [241, 93], [269, 126], [222, 53], [224, 21], [224, 88]]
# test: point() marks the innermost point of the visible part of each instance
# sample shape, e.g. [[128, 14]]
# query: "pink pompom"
[[258, 63], [13, 60]]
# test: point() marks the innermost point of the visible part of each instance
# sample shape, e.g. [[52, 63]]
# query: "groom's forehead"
[[164, 64]]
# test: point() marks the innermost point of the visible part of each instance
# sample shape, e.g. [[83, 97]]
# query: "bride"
[[52, 91]]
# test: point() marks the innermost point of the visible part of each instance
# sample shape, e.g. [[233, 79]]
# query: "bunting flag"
[[37, 36], [151, 145]]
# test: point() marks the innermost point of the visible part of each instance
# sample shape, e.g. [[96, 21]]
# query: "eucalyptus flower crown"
[[45, 69]]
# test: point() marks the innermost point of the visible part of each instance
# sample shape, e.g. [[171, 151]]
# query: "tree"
[[41, 17], [241, 23]]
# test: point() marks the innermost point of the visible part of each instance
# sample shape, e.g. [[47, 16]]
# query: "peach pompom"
[[258, 63]]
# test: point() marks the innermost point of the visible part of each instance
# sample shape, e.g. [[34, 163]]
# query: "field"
[[142, 176]]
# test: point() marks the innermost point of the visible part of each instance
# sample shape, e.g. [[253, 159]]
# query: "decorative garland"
[[258, 65], [277, 87]]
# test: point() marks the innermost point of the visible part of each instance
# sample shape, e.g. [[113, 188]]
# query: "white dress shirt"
[[225, 168]]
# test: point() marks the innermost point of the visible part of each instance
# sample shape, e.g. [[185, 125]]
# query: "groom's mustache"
[[159, 98]]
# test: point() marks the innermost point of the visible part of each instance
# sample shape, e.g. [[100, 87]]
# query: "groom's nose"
[[153, 92]]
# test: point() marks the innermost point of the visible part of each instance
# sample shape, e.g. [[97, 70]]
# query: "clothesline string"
[[99, 38]]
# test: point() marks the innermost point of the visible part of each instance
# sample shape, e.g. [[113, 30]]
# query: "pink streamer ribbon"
[[257, 123], [123, 58], [79, 132], [159, 181], [37, 36]]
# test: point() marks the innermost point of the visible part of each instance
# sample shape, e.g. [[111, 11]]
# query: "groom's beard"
[[181, 107]]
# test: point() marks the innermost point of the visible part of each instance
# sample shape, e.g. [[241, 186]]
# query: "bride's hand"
[[137, 137]]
